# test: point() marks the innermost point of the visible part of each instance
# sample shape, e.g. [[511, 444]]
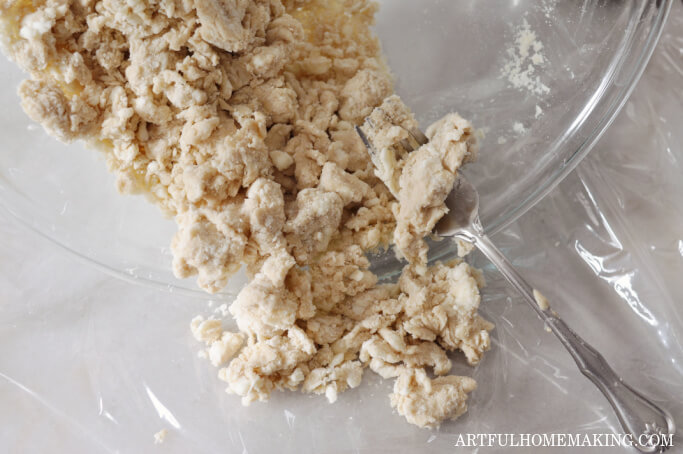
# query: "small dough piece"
[[327, 328], [391, 123], [426, 402], [313, 220], [333, 379], [281, 160], [160, 436], [338, 275], [265, 209], [381, 353], [222, 345], [350, 188], [223, 349], [541, 300], [442, 305], [231, 25], [362, 93], [263, 309], [214, 252], [46, 103], [420, 210], [269, 364], [207, 331]]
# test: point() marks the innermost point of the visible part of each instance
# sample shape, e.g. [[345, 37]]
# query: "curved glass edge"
[[614, 103], [148, 281], [610, 105]]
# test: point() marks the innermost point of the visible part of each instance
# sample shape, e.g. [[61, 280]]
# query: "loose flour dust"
[[524, 61]]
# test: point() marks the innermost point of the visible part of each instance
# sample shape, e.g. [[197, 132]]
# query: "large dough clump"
[[237, 117]]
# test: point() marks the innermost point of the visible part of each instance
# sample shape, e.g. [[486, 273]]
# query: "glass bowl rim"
[[629, 67]]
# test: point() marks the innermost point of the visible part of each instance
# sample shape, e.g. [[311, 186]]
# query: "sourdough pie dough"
[[236, 117]]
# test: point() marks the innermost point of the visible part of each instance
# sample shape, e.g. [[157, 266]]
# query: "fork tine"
[[415, 134], [396, 151], [418, 135], [365, 139], [415, 137]]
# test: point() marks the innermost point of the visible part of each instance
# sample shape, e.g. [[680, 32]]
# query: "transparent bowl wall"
[[446, 56]]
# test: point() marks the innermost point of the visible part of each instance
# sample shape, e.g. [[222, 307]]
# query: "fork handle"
[[651, 428]]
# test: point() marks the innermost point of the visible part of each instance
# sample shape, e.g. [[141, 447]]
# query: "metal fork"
[[650, 427]]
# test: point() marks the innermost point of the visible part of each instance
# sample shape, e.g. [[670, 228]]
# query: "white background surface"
[[89, 363]]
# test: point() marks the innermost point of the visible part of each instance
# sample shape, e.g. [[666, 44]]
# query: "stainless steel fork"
[[650, 427]]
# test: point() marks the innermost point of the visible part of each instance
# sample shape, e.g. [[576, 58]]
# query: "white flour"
[[525, 58]]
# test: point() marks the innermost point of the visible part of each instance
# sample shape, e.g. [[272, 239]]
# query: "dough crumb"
[[160, 436], [518, 128], [541, 300], [427, 402]]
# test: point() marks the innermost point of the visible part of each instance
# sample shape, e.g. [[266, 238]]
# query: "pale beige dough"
[[427, 402], [432, 168], [160, 437], [221, 345], [236, 118], [541, 300]]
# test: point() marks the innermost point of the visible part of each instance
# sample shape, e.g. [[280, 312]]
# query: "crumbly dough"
[[426, 402], [389, 126], [221, 345], [431, 167], [237, 118]]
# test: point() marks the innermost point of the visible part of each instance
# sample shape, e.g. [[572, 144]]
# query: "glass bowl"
[[543, 79]]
